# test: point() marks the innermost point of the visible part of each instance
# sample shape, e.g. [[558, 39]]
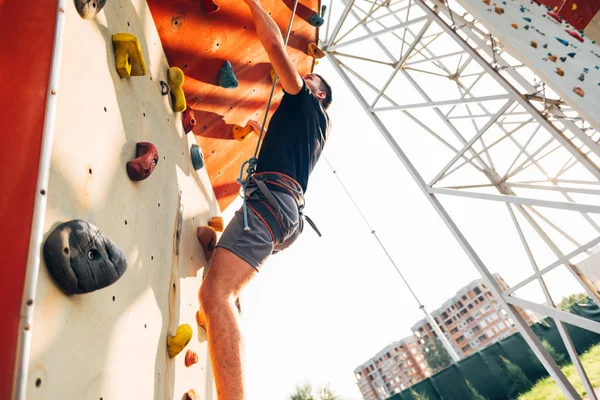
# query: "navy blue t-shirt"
[[296, 136]]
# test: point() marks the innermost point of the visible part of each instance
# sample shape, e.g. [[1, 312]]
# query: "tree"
[[576, 298], [305, 392], [435, 354], [517, 375], [419, 396], [476, 395], [558, 357]]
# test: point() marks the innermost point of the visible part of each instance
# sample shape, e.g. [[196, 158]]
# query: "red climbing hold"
[[209, 6], [191, 358], [555, 16], [576, 35], [146, 160], [188, 120]]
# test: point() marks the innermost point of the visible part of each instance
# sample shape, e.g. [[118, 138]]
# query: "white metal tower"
[[469, 121]]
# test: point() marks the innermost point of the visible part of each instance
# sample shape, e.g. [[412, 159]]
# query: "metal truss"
[[492, 130]]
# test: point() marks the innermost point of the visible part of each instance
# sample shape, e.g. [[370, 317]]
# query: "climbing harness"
[[249, 166]]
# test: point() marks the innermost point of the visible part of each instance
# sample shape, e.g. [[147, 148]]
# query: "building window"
[[464, 297], [481, 298], [466, 348], [470, 306], [477, 290], [482, 338]]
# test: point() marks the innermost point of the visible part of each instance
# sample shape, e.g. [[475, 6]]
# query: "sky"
[[326, 305]]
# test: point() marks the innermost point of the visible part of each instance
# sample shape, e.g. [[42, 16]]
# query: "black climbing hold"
[[563, 59], [164, 88], [316, 20], [227, 78], [88, 9], [82, 259], [197, 157], [581, 77], [526, 27]]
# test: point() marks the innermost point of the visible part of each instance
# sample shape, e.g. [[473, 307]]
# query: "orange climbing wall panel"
[[580, 17], [25, 54], [199, 44]]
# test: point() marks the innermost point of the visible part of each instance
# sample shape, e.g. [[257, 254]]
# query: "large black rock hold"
[[82, 259]]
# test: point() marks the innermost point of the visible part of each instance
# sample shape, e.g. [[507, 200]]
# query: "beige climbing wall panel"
[[111, 344], [543, 30]]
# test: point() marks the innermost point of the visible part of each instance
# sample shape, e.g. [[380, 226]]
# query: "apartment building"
[[472, 319], [398, 366]]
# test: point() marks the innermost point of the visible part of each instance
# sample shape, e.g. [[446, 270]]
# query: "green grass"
[[547, 389]]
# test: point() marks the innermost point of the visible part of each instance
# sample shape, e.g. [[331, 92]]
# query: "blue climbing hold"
[[197, 157], [323, 10], [597, 67], [586, 70], [572, 55], [527, 19], [227, 78], [522, 9], [563, 41], [316, 20]]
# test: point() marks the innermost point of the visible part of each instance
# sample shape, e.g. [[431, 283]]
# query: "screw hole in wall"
[[38, 382], [114, 298], [125, 222], [90, 171], [128, 24], [104, 109]]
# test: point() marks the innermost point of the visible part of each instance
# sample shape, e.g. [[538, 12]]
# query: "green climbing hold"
[[316, 20], [227, 78], [323, 9], [197, 157]]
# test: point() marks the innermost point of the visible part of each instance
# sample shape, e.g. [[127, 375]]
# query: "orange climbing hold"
[[487, 2], [216, 223], [499, 10], [552, 58], [207, 237], [129, 56], [191, 395], [559, 71], [515, 26], [176, 78], [241, 133], [314, 51], [534, 44], [579, 91], [191, 358], [201, 319], [187, 120], [209, 6]]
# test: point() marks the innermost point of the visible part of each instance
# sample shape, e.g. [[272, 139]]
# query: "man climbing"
[[292, 145]]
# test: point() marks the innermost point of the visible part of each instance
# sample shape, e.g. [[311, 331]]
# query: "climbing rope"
[[249, 166]]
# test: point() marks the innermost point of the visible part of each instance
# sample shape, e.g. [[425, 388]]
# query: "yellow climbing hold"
[[216, 223], [176, 78], [182, 337], [273, 75], [129, 56], [574, 7], [315, 51], [241, 133]]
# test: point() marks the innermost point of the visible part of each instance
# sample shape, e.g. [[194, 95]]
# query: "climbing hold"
[[560, 72], [178, 342], [273, 75], [323, 9], [128, 54], [499, 10], [191, 358], [563, 59], [201, 319], [176, 78], [191, 395], [576, 35], [197, 157], [545, 46], [88, 9], [572, 55], [538, 2], [579, 91], [316, 20], [216, 223], [554, 15], [586, 70], [314, 51], [534, 44], [242, 133], [526, 27], [227, 78], [164, 88], [187, 120], [82, 259], [522, 8], [146, 160], [574, 7], [207, 237], [209, 6], [581, 77], [487, 2], [552, 58], [563, 41], [527, 19], [515, 26]]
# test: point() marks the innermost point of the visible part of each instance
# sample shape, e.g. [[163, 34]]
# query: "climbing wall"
[[199, 43], [111, 343], [576, 12], [570, 66]]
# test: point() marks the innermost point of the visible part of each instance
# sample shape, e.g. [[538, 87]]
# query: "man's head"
[[320, 88]]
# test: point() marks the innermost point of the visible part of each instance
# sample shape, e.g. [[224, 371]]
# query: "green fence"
[[506, 368]]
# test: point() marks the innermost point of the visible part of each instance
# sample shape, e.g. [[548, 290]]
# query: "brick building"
[[396, 367], [471, 320]]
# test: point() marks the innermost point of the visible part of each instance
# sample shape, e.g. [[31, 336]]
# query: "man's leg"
[[227, 275]]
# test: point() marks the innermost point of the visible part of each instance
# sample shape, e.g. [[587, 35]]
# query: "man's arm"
[[270, 37]]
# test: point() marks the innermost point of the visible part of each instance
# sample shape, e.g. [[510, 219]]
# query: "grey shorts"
[[255, 245]]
